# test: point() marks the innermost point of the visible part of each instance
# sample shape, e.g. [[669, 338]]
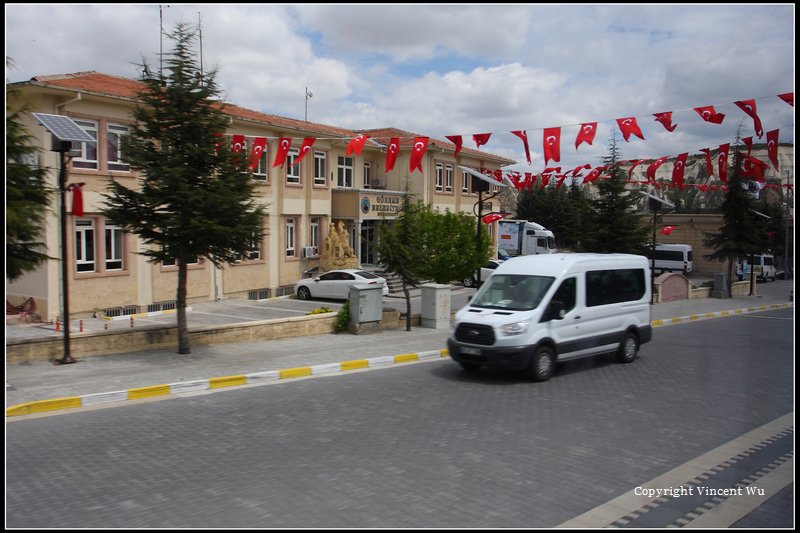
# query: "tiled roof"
[[115, 86]]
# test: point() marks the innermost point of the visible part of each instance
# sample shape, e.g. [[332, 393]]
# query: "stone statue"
[[337, 253]]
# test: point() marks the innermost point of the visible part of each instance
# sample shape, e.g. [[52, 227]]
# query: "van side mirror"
[[555, 311]]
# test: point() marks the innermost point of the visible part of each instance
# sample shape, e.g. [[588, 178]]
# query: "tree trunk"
[[183, 332]]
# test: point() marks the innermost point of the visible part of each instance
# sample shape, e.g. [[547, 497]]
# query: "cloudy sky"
[[442, 70]]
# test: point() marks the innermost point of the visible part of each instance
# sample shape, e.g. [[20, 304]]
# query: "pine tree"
[[615, 226], [195, 198], [27, 199]]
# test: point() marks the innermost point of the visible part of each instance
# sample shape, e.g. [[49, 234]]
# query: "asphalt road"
[[419, 446]]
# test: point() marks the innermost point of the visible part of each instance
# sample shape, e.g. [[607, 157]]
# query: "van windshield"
[[514, 292]]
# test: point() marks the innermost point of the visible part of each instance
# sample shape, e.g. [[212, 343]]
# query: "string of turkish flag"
[[751, 167]]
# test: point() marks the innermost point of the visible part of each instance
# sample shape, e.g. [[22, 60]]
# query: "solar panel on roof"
[[64, 128]]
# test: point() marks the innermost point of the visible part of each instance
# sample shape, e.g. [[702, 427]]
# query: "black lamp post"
[[64, 131]]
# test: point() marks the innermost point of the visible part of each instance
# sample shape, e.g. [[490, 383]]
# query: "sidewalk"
[[243, 363]]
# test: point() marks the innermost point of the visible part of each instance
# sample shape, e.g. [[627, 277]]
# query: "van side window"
[[612, 286], [566, 293]]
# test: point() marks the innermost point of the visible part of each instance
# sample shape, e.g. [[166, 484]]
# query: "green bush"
[[342, 318]]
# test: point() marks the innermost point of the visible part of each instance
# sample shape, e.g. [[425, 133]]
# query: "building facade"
[[106, 274]]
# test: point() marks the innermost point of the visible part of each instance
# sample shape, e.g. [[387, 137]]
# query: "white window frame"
[[448, 178], [439, 171], [260, 172], [465, 182], [292, 170], [114, 245], [85, 245], [115, 159], [367, 175], [320, 168], [291, 246], [344, 171], [84, 160], [314, 227]]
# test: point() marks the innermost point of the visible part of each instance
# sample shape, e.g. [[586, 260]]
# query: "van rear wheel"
[[543, 364], [628, 348]]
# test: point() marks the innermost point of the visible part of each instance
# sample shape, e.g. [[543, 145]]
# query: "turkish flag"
[[748, 141], [678, 170], [788, 98], [651, 169], [666, 230], [628, 127], [522, 134], [391, 152], [709, 114], [493, 217], [420, 145], [586, 134], [666, 120], [77, 199], [551, 140], [772, 148], [259, 143], [635, 164], [594, 174], [356, 144], [284, 143], [722, 161], [753, 168], [709, 165], [237, 143], [481, 138], [579, 168], [457, 140], [308, 142], [749, 107]]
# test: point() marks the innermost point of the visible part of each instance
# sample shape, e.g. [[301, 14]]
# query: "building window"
[[290, 242], [114, 135], [88, 157], [292, 170], [192, 260], [344, 172], [84, 245], [260, 170], [254, 253], [465, 182], [367, 175], [314, 241], [114, 245], [448, 178], [439, 171], [320, 168]]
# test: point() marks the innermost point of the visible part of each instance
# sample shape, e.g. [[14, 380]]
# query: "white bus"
[[671, 258]]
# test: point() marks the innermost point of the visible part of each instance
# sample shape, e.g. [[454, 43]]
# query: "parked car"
[[335, 284], [762, 264], [486, 271]]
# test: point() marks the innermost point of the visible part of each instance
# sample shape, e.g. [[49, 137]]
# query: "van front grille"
[[475, 334]]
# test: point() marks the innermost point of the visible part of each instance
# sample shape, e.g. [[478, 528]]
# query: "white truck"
[[520, 237]]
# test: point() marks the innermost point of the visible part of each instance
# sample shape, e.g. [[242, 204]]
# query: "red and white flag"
[[391, 152], [481, 138], [284, 143], [586, 134], [420, 145], [709, 164], [678, 170], [651, 169], [356, 144], [666, 120], [749, 107], [666, 230], [709, 114], [308, 142], [259, 143], [551, 141], [772, 148], [457, 140], [722, 161], [788, 98], [522, 134], [237, 143], [628, 126], [77, 199]]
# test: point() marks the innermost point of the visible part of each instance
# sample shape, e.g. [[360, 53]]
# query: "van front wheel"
[[543, 364], [628, 348]]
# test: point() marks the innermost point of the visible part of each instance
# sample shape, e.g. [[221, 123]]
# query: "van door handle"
[[577, 317]]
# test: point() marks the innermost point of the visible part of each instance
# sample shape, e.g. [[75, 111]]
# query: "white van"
[[672, 258], [536, 310], [762, 264]]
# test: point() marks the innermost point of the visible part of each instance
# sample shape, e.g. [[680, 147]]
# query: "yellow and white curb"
[[72, 402], [718, 314]]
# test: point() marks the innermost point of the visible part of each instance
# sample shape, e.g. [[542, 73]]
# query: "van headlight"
[[515, 328]]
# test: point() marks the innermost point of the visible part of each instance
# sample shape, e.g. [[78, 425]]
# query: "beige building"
[[107, 276]]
